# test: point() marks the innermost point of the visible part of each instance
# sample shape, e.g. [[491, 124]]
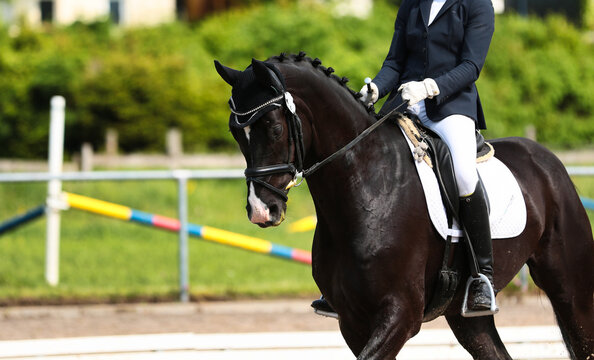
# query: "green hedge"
[[540, 73], [143, 81]]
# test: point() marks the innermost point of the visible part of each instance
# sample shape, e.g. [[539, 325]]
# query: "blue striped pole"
[[22, 219], [588, 203]]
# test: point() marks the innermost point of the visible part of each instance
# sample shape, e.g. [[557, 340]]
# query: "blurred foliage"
[[589, 14], [145, 80], [541, 73]]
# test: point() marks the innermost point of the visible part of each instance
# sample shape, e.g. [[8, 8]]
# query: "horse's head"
[[265, 124]]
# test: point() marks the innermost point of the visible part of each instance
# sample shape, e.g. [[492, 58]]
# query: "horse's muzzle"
[[265, 212], [267, 217]]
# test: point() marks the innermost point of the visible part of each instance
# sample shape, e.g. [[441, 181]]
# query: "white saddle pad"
[[508, 209]]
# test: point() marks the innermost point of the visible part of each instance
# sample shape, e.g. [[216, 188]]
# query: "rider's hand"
[[369, 98], [415, 91]]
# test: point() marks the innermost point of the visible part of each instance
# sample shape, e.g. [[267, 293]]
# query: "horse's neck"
[[373, 171], [334, 115], [376, 164]]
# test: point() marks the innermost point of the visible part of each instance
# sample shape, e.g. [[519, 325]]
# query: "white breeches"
[[458, 132]]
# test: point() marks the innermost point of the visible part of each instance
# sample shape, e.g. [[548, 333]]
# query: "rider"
[[437, 52]]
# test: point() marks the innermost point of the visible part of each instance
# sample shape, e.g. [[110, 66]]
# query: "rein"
[[351, 144]]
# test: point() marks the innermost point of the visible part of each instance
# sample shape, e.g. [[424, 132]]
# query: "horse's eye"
[[277, 130]]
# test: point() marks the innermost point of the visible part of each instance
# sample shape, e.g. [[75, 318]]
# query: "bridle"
[[285, 100], [255, 174]]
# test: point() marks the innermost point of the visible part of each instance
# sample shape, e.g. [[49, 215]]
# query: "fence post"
[[182, 181], [86, 157], [54, 189], [530, 132], [111, 142], [173, 142]]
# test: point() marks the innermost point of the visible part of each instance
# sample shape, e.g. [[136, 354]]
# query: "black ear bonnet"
[[256, 90]]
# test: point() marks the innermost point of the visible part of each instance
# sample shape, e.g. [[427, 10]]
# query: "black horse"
[[376, 254]]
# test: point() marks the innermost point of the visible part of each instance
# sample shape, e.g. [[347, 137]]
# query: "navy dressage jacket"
[[452, 51]]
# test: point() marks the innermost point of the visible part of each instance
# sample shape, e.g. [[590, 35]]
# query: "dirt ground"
[[36, 322]]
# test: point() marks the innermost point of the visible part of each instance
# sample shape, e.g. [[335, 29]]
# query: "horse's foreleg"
[[392, 327], [478, 336]]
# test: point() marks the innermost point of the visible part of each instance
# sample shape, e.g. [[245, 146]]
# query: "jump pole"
[[205, 232], [182, 212], [588, 203], [54, 188], [22, 219]]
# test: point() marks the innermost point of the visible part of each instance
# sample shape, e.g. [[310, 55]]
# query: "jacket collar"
[[425, 6], [426, 9]]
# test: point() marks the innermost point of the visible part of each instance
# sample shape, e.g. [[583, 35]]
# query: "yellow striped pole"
[[205, 232]]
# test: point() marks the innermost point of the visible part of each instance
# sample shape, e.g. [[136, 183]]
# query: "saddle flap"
[[439, 157], [508, 209]]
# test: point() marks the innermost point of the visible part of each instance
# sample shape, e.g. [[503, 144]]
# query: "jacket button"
[[424, 35]]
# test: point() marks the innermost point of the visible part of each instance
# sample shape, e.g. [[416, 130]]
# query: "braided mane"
[[317, 63]]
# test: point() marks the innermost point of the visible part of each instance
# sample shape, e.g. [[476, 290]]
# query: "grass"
[[105, 259], [108, 260]]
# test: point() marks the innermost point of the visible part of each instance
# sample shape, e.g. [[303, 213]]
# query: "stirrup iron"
[[326, 313], [474, 313]]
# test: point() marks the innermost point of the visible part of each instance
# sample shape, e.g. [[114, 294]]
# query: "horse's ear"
[[267, 76], [229, 75]]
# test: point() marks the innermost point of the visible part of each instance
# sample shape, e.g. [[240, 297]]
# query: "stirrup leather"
[[466, 312]]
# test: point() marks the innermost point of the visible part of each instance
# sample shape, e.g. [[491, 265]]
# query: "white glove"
[[415, 91], [368, 98]]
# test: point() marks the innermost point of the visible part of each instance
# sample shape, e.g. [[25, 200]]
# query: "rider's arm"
[[389, 75]]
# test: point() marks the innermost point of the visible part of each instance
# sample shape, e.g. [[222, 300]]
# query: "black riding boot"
[[322, 307], [474, 215]]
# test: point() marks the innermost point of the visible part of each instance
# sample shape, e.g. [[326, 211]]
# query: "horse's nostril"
[[273, 209]]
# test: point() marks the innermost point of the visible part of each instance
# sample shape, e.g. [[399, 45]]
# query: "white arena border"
[[528, 342]]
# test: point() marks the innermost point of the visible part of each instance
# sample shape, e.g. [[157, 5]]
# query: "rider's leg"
[[474, 214], [458, 132]]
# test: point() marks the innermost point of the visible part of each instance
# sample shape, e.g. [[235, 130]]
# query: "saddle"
[[430, 148]]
